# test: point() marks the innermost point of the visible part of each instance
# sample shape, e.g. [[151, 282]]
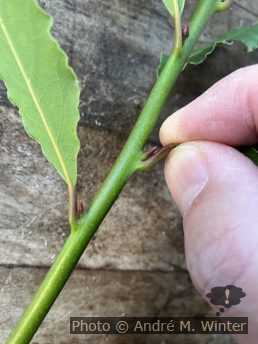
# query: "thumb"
[[216, 190]]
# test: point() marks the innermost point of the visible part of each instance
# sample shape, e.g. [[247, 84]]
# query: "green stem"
[[126, 164]]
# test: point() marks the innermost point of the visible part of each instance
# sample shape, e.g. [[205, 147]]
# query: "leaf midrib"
[[36, 102]]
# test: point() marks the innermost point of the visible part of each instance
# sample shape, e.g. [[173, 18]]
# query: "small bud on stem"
[[185, 31], [80, 209]]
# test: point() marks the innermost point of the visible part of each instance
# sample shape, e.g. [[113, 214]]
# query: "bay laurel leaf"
[[40, 83], [170, 7], [247, 35]]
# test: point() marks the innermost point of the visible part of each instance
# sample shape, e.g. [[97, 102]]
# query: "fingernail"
[[186, 174]]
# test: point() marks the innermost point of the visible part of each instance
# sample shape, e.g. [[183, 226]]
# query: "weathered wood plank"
[[104, 293], [114, 48]]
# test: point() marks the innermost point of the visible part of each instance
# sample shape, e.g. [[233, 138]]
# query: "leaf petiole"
[[178, 28]]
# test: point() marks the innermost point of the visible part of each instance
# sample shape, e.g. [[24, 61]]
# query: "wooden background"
[[135, 265]]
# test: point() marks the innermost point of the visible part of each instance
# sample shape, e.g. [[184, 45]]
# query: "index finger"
[[226, 113]]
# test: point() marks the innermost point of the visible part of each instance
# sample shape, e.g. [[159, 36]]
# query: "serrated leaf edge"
[[215, 45], [221, 40]]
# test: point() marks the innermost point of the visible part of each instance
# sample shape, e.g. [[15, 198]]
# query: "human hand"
[[216, 189]]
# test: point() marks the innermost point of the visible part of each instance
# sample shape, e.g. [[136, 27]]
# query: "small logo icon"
[[225, 296], [122, 327]]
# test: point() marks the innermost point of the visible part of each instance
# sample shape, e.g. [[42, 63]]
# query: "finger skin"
[[226, 113], [221, 226], [216, 189]]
